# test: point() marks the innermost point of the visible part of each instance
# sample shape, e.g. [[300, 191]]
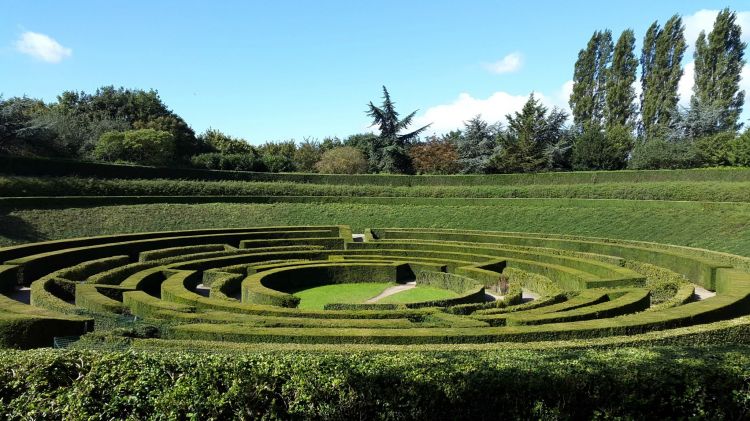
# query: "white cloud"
[[42, 47], [685, 86], [447, 117], [508, 64]]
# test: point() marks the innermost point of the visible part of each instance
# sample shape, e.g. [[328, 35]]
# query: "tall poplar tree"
[[620, 108], [719, 58], [587, 101], [661, 71]]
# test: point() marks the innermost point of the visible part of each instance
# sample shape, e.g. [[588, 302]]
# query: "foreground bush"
[[631, 383], [342, 160], [233, 162], [145, 146]]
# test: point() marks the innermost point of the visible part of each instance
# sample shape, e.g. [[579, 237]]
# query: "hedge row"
[[164, 289], [54, 167], [706, 191], [654, 383], [694, 267]]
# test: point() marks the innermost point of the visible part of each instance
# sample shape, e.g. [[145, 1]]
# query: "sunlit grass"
[[418, 294], [316, 298]]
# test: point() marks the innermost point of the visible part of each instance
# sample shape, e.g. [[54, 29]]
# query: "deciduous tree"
[[719, 59]]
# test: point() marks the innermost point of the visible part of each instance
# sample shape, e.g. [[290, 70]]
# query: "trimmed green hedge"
[[164, 290], [25, 326], [268, 287], [101, 299], [8, 278], [694, 267], [57, 167], [619, 302]]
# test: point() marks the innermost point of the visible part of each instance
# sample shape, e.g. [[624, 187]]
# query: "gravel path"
[[702, 293], [527, 296], [392, 290], [489, 296]]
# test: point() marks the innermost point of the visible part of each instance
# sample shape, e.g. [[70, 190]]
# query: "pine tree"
[[524, 146], [587, 101], [620, 96], [388, 151], [661, 71], [476, 145], [719, 58]]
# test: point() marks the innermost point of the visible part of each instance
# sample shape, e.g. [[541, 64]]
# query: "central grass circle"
[[351, 293]]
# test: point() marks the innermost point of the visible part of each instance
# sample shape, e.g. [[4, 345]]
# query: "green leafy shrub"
[[656, 154], [228, 162], [145, 146], [278, 163], [715, 150], [739, 150], [342, 160]]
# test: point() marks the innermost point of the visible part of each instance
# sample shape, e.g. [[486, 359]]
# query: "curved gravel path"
[[392, 290]]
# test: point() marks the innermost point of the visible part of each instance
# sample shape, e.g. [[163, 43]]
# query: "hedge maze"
[[239, 285]]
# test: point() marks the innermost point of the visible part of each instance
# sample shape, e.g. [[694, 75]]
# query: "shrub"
[[714, 150], [739, 150], [342, 160], [435, 157], [231, 162], [659, 154], [597, 150], [278, 163], [145, 146], [226, 144]]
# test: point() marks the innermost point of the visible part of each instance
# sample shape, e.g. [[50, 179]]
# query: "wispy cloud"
[[42, 47], [508, 64]]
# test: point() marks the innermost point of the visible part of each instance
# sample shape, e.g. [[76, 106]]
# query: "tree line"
[[611, 126]]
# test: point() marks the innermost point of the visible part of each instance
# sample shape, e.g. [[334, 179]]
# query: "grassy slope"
[[721, 227], [418, 294], [316, 298]]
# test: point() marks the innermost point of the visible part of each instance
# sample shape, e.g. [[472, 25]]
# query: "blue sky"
[[290, 69]]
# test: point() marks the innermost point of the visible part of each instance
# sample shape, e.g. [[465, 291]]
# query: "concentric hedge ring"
[[587, 287]]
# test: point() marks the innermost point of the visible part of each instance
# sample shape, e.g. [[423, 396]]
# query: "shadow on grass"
[[16, 229]]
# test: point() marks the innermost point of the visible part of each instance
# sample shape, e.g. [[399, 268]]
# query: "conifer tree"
[[388, 151], [476, 145], [719, 58], [661, 71], [530, 133]]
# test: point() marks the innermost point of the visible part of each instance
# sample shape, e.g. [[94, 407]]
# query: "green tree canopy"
[[224, 143], [619, 107], [719, 59], [590, 75], [138, 108], [529, 135], [661, 70]]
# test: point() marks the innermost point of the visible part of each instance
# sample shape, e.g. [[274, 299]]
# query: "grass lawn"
[[355, 293], [714, 226], [418, 294]]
